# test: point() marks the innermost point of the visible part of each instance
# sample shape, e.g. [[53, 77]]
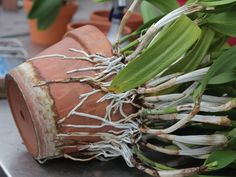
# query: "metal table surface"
[[15, 159]]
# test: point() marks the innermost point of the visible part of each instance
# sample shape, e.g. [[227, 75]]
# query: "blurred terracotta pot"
[[103, 15], [36, 110], [9, 4], [56, 31], [102, 26]]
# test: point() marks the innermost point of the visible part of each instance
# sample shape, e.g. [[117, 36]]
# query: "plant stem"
[[148, 161], [125, 19], [130, 45]]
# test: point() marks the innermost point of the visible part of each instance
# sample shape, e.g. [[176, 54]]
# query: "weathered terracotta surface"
[[36, 110], [102, 15], [56, 31], [103, 26]]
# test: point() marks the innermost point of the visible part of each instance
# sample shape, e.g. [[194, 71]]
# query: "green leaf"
[[225, 62], [34, 10], [165, 6], [208, 176], [195, 56], [223, 22], [223, 78], [148, 11], [231, 136], [173, 42], [218, 43], [221, 159], [45, 12], [215, 2]]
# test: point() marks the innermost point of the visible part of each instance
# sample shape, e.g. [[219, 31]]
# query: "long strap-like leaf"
[[224, 63], [195, 56], [167, 48]]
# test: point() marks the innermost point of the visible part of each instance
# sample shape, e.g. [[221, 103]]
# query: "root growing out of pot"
[[132, 129]]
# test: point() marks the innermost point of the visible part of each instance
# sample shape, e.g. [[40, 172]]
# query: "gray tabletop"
[[15, 159]]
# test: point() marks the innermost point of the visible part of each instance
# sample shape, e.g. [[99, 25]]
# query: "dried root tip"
[[145, 169]]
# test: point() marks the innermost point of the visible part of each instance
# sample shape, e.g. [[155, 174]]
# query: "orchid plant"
[[179, 74]]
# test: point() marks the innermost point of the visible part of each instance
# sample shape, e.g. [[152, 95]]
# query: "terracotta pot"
[[102, 26], [56, 31], [9, 4], [36, 110], [102, 15]]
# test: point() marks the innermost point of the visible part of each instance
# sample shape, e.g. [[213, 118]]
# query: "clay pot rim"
[[105, 13], [72, 25]]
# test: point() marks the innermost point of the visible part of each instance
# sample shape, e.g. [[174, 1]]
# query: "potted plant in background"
[[106, 27], [48, 19]]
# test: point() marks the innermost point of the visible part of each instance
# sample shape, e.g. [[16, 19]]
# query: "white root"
[[211, 140], [126, 18], [192, 76], [186, 93], [217, 120], [164, 98], [158, 80], [86, 69], [216, 99], [81, 159], [187, 152]]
